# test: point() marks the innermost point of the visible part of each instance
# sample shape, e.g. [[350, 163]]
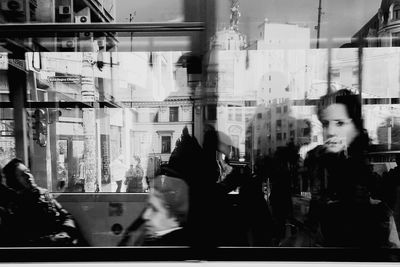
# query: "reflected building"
[[159, 101], [255, 85], [67, 134], [382, 30], [285, 79], [281, 36], [227, 98]]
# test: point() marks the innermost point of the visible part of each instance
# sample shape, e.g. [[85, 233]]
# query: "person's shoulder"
[[7, 195], [178, 237], [380, 209]]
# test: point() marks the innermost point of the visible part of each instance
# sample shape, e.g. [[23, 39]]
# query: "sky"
[[340, 18]]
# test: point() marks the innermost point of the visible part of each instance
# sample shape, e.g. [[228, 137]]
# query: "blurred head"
[[18, 176], [340, 115], [136, 160], [167, 205]]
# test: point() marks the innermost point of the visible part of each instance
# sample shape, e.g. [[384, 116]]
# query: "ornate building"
[[383, 29]]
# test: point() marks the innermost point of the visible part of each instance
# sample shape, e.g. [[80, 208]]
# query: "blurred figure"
[[238, 220], [256, 217], [166, 213], [31, 217], [79, 184], [134, 177], [341, 207], [117, 173], [390, 190], [163, 221], [281, 192], [62, 176]]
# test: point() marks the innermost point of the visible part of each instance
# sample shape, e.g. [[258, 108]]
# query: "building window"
[[173, 114], [154, 117], [259, 115], [278, 110], [212, 112], [238, 115], [250, 103], [279, 136], [335, 74], [165, 144], [285, 109], [278, 125], [135, 117], [396, 12], [355, 71], [396, 39], [230, 114]]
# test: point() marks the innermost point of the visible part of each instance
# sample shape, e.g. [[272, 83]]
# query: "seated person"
[[31, 217], [165, 216]]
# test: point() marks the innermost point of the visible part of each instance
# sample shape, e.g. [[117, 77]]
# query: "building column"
[[89, 122]]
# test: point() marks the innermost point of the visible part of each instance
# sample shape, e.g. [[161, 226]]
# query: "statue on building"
[[235, 15]]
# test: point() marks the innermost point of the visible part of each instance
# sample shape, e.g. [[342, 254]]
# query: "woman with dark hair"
[[341, 207], [34, 217]]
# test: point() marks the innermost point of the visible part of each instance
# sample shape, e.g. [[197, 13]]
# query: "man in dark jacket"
[[30, 215]]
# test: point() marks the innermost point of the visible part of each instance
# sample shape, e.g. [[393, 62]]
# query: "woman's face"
[[339, 130]]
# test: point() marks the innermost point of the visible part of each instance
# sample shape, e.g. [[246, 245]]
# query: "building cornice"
[[390, 26], [168, 102]]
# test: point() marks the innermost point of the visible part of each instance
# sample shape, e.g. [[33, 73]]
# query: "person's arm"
[[67, 225]]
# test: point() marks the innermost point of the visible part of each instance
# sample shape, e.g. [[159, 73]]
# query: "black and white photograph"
[[199, 131]]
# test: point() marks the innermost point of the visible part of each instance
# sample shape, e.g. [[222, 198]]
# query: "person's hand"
[[62, 238], [336, 145]]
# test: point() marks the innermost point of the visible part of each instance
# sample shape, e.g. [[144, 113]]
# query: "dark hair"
[[9, 171], [347, 98], [352, 104]]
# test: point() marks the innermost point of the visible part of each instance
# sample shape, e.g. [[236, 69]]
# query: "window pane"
[[165, 144], [173, 114]]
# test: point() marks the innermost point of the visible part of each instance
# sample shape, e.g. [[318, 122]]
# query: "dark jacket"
[[175, 238], [34, 218], [341, 208], [133, 180]]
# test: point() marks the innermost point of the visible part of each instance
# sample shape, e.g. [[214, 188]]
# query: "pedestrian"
[[118, 172], [134, 177]]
